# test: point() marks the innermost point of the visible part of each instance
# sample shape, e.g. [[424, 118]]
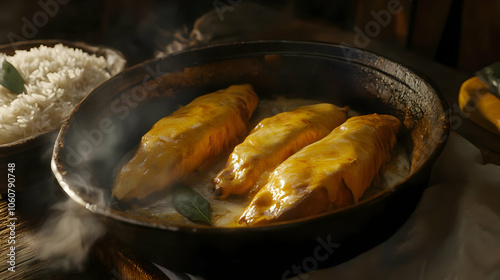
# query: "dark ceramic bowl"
[[112, 119], [31, 155]]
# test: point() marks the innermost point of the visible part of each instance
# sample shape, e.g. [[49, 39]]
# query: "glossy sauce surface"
[[272, 141], [331, 173], [225, 212], [190, 137]]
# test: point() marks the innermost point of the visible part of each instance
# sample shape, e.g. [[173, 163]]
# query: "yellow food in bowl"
[[480, 105]]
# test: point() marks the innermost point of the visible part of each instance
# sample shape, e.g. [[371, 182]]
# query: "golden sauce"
[[226, 211]]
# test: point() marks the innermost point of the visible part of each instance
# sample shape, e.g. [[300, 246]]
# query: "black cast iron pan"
[[111, 120]]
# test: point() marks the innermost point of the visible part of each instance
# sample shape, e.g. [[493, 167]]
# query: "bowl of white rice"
[[57, 75]]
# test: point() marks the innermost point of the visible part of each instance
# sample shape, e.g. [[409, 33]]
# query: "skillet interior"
[[111, 120], [33, 153]]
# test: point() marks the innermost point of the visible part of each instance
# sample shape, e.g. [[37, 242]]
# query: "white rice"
[[56, 80]]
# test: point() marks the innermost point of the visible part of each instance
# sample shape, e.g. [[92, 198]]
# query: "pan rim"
[[114, 214]]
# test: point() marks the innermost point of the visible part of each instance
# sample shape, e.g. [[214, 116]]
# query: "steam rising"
[[234, 23], [67, 236]]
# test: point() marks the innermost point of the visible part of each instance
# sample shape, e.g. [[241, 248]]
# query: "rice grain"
[[56, 80]]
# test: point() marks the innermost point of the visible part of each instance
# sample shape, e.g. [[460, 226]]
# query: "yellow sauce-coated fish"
[[272, 141], [331, 173], [180, 143]]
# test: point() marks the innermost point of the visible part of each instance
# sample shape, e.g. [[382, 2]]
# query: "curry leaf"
[[192, 205], [10, 77]]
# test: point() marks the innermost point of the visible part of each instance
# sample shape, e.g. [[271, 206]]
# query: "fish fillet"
[[331, 173], [272, 141], [180, 143]]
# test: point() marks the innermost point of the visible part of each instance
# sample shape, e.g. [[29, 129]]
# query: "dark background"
[[463, 34]]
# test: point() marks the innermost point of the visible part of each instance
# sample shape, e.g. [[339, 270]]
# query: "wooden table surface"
[[111, 260]]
